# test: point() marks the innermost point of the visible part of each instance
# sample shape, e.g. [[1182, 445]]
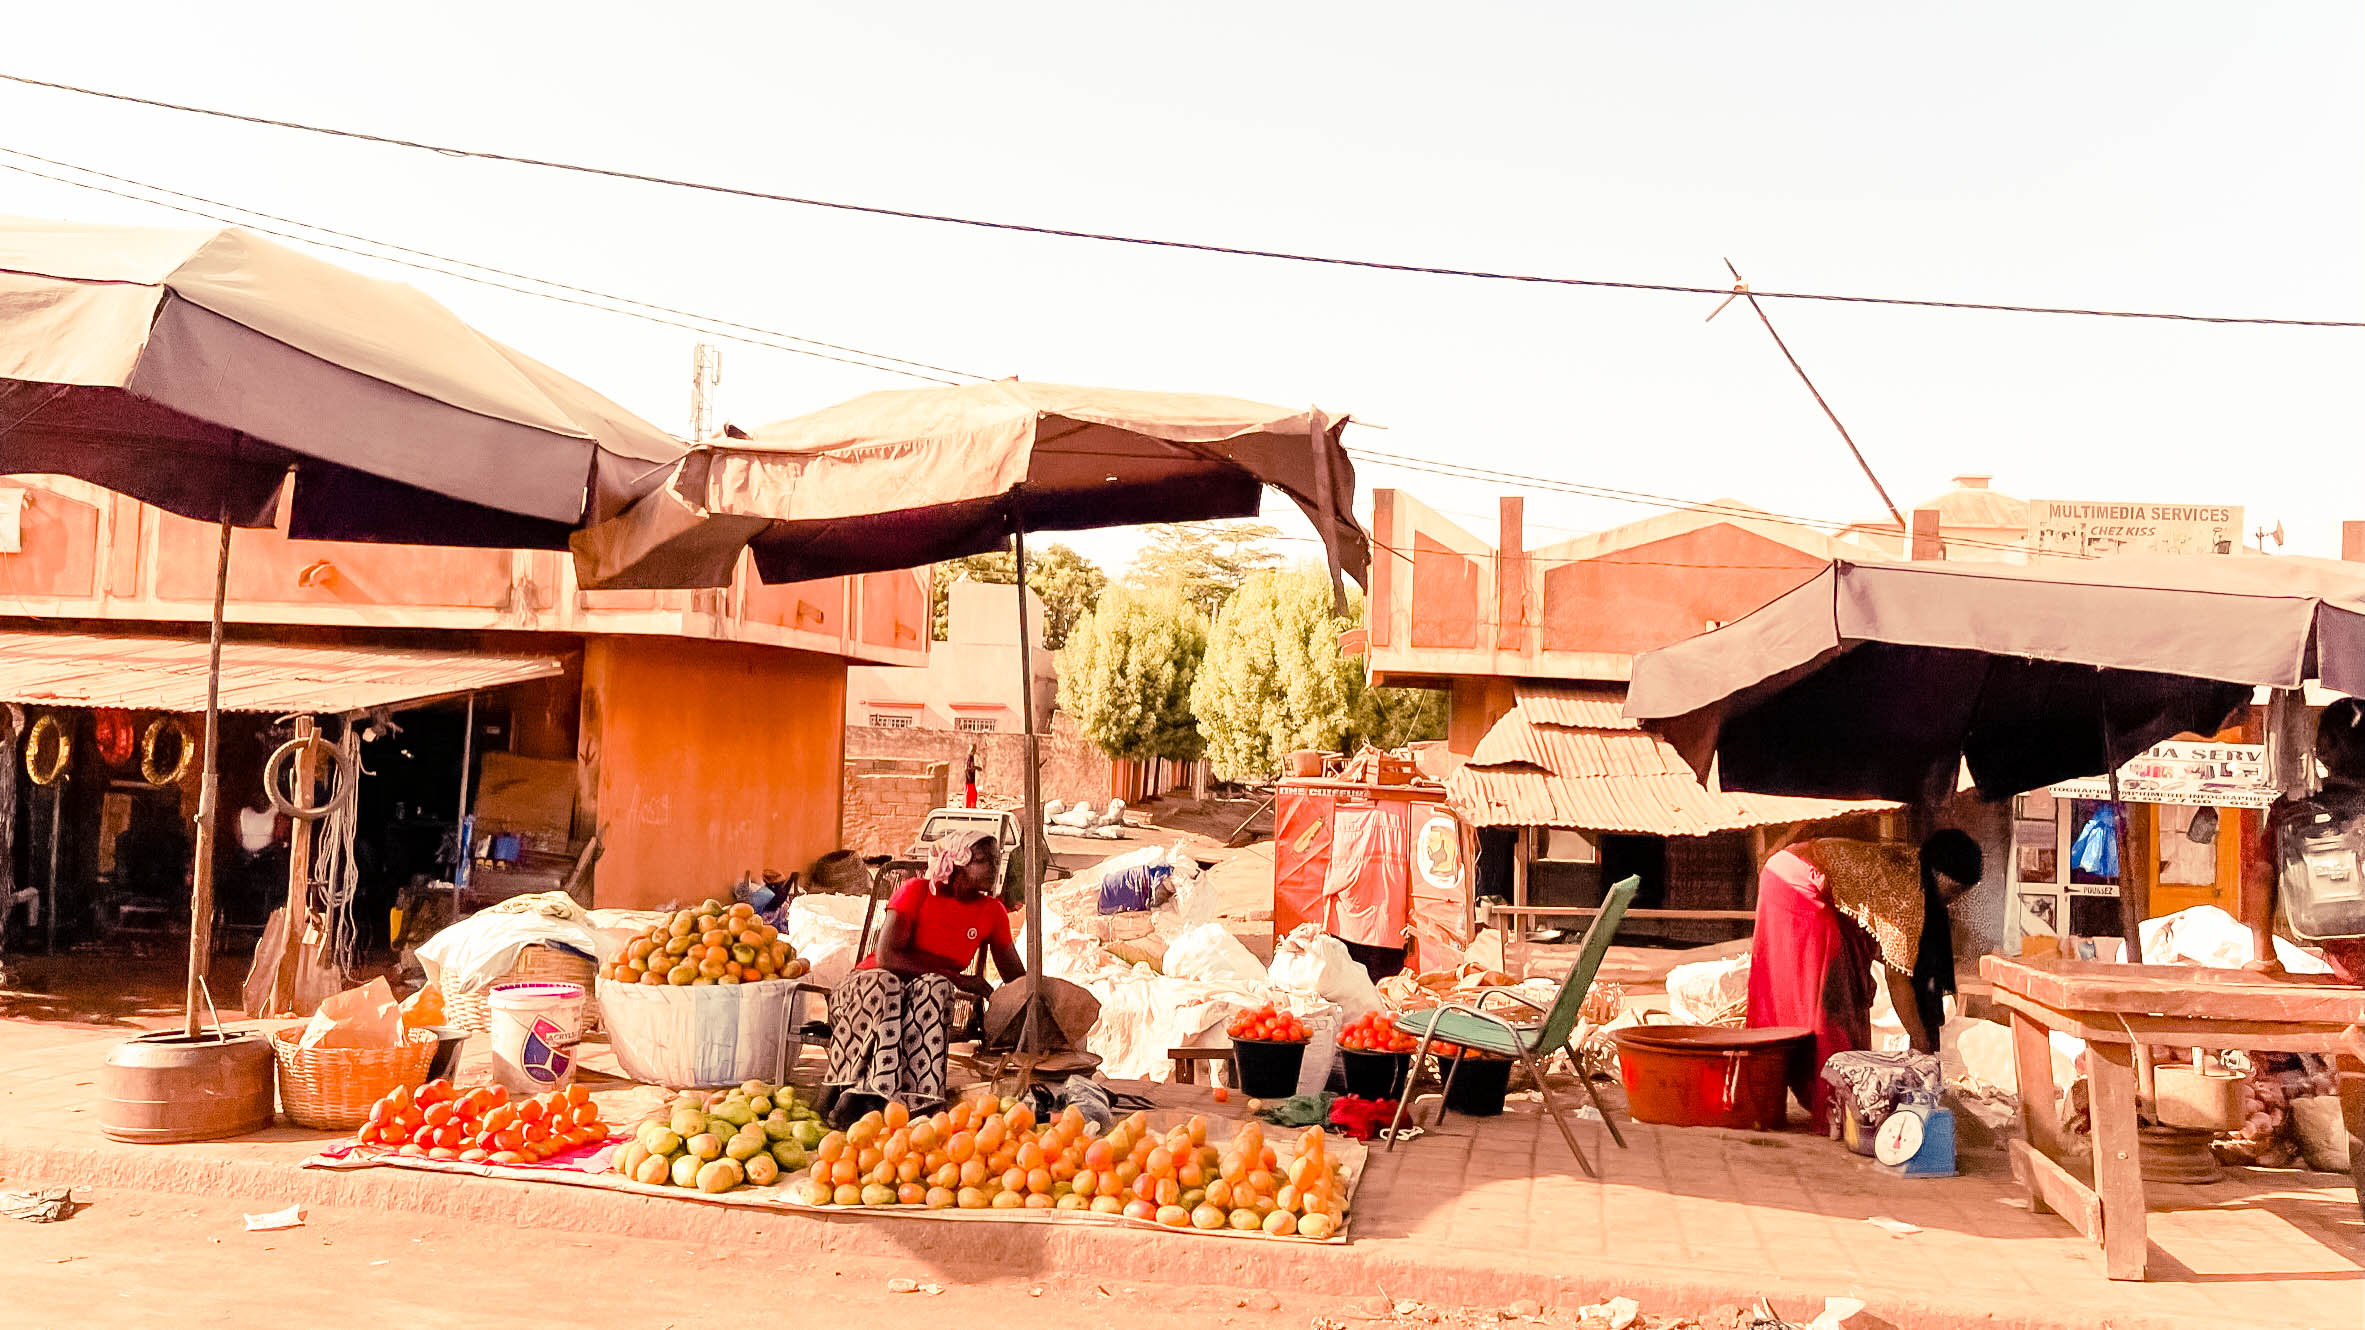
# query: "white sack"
[[483, 947], [1314, 964], [1710, 992], [2206, 935], [1211, 954], [825, 930]]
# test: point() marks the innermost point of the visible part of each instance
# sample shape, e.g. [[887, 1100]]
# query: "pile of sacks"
[[1082, 819]]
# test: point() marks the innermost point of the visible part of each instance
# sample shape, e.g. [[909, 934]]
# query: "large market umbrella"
[[200, 369], [902, 478], [1885, 680]]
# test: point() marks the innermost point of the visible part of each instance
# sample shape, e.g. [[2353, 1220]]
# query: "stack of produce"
[[1269, 1024], [711, 944], [482, 1126], [753, 1135], [1376, 1033], [989, 1155]]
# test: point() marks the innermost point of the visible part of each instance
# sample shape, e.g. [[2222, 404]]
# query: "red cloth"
[[945, 927], [1365, 894], [1810, 966]]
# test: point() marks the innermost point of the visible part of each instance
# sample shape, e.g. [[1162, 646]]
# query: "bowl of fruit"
[[1376, 1055], [1268, 1050]]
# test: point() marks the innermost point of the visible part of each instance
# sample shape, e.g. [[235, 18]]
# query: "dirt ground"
[[128, 1259]]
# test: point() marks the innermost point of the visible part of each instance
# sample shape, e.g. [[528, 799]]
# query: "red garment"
[[944, 927], [1809, 966], [1367, 891]]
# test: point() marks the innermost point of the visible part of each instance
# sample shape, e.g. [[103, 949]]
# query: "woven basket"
[[332, 1089], [473, 1010]]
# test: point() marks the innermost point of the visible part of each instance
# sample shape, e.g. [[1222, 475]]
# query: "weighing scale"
[[1916, 1141]]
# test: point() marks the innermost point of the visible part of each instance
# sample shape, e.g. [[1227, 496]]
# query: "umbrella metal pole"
[[209, 791], [1031, 822], [2131, 910]]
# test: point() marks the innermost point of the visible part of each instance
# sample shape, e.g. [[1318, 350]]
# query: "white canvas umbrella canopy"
[[211, 373], [903, 478]]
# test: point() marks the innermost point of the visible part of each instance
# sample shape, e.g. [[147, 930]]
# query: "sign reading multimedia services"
[[2207, 775], [2080, 529]]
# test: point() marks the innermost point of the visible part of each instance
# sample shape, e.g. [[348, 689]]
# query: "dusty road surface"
[[129, 1259]]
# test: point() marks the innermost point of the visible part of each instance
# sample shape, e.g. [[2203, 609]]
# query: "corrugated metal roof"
[[1591, 706], [1603, 779], [168, 674]]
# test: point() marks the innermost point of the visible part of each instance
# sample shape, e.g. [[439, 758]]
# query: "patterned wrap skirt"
[[888, 1037]]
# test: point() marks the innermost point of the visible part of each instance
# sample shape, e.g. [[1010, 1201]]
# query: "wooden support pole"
[[299, 874]]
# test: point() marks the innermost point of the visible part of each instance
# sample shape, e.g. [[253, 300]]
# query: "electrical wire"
[[696, 322], [1069, 233], [637, 309]]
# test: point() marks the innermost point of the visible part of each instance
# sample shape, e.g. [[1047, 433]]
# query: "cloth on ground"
[[1303, 1110]]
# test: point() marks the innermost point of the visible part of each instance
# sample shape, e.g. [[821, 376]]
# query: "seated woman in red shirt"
[[891, 1021]]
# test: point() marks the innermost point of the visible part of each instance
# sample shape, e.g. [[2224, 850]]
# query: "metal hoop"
[[340, 790], [47, 725], [148, 741]]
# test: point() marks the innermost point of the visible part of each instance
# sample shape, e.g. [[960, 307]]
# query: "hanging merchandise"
[[47, 732], [113, 736], [165, 735], [2096, 849]]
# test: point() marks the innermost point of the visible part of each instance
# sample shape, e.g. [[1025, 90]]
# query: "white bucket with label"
[[534, 1030]]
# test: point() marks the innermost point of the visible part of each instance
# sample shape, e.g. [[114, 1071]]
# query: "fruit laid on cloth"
[[709, 944], [713, 1141], [1269, 1023], [482, 1125], [1376, 1033], [988, 1154]]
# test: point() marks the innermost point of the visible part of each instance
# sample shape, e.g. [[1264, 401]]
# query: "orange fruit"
[[1029, 1156], [938, 1198], [1174, 1216], [970, 1198], [1098, 1156], [1109, 1186], [962, 1145], [1014, 1179], [911, 1193], [1039, 1181], [1036, 1200], [1160, 1164], [909, 1168], [924, 1135], [897, 1116], [973, 1173]]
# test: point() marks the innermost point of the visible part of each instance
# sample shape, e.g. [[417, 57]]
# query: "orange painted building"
[[704, 729]]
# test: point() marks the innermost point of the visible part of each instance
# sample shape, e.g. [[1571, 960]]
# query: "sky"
[[2167, 156]]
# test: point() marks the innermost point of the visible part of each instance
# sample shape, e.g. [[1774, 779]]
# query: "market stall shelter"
[[1381, 825], [671, 713]]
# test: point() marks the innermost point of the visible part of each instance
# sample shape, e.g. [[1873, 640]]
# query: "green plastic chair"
[[1472, 1027]]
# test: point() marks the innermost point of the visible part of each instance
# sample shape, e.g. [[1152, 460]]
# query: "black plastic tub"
[[1267, 1069], [1375, 1075], [1479, 1085]]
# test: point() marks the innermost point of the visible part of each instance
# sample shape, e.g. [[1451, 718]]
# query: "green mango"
[[779, 1131], [685, 1170], [809, 1134], [736, 1112]]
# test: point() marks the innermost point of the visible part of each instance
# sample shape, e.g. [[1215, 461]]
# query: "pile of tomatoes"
[[1269, 1024], [482, 1125], [1376, 1033]]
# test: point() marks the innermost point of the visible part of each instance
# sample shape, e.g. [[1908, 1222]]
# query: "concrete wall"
[[887, 798], [973, 675], [707, 760], [880, 764]]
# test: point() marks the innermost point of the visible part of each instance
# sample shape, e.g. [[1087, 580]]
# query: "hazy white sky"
[[2197, 157]]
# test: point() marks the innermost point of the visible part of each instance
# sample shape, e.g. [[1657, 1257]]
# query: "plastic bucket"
[[448, 1043], [1709, 1076], [534, 1030], [1375, 1075], [1479, 1085], [1267, 1069]]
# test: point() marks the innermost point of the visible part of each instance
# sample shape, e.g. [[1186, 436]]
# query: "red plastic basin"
[[1709, 1076]]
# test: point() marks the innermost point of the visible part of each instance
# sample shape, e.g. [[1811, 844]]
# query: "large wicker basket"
[[332, 1089], [473, 1010]]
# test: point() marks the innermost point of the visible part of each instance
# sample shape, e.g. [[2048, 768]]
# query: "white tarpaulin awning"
[[168, 674]]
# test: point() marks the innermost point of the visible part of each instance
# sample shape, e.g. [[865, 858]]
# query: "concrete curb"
[[1396, 1268]]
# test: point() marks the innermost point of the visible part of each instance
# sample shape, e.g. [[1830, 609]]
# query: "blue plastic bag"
[[1142, 887], [2096, 849]]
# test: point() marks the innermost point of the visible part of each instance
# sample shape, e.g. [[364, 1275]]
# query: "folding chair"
[[1473, 1028]]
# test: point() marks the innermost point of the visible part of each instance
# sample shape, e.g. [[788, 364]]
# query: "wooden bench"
[[1187, 1060]]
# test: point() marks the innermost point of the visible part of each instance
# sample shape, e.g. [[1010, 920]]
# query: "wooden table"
[[2118, 1008]]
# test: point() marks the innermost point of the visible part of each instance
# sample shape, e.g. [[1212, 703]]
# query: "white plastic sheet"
[[1210, 953], [1710, 992], [1314, 964], [825, 930], [691, 1036], [483, 947], [2207, 935]]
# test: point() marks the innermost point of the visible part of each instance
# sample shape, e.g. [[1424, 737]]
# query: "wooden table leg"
[[2032, 1067], [2118, 1166], [2350, 1074]]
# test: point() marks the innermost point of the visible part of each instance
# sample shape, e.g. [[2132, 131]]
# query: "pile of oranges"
[[1376, 1033], [1271, 1024], [711, 944], [983, 1155], [482, 1126]]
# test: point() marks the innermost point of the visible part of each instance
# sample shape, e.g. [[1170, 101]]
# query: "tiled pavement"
[[1682, 1220]]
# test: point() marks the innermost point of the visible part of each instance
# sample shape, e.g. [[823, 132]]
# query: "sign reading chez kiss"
[[2200, 774]]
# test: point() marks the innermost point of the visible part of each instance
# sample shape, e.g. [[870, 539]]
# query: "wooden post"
[[299, 874], [1030, 829], [2118, 1164], [209, 796], [1523, 845]]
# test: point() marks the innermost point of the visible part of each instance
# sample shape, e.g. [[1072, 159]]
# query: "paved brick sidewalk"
[[1477, 1213]]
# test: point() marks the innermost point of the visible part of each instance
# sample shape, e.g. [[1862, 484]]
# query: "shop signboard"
[[2194, 773], [2081, 529]]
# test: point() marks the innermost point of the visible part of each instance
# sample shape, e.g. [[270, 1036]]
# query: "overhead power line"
[[630, 307], [1070, 233], [624, 305]]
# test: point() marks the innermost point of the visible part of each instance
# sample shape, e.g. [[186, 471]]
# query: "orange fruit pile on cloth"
[[1269, 1023], [482, 1125], [980, 1155], [1376, 1033]]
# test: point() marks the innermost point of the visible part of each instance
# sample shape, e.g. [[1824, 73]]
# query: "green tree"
[[1203, 561], [1274, 681], [1068, 582], [1126, 674]]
